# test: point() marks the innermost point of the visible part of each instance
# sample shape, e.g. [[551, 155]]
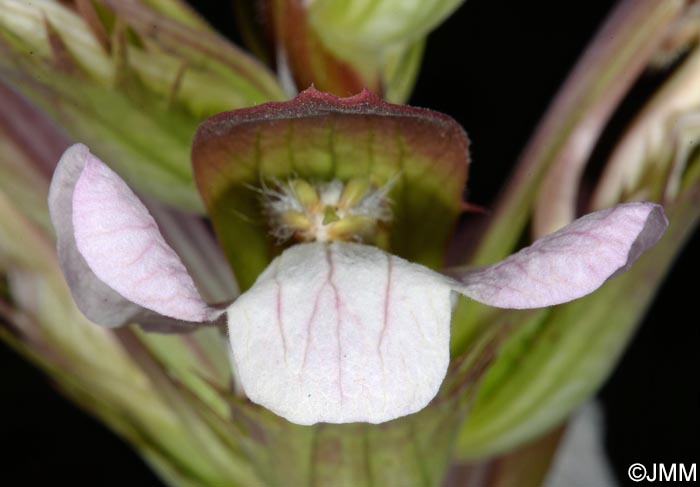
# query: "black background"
[[494, 66]]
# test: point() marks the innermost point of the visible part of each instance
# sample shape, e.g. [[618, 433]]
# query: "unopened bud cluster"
[[326, 211]]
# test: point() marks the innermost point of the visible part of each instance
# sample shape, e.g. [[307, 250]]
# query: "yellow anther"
[[354, 191], [351, 227], [305, 194], [295, 220]]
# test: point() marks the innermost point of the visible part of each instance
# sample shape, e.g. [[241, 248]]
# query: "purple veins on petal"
[[117, 263], [569, 263], [335, 297]]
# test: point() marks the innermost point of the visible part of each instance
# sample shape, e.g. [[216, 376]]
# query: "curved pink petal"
[[100, 302], [342, 332], [570, 263], [121, 243]]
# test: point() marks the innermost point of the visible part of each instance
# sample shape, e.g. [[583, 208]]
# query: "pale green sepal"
[[349, 26]]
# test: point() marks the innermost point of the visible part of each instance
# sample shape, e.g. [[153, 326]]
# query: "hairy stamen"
[[326, 211]]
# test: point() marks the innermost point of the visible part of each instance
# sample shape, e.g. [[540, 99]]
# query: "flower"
[[136, 96], [334, 331]]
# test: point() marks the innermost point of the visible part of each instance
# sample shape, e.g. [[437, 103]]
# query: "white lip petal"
[[340, 333]]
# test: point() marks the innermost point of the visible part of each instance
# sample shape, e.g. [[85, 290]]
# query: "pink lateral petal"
[[122, 245], [570, 263]]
